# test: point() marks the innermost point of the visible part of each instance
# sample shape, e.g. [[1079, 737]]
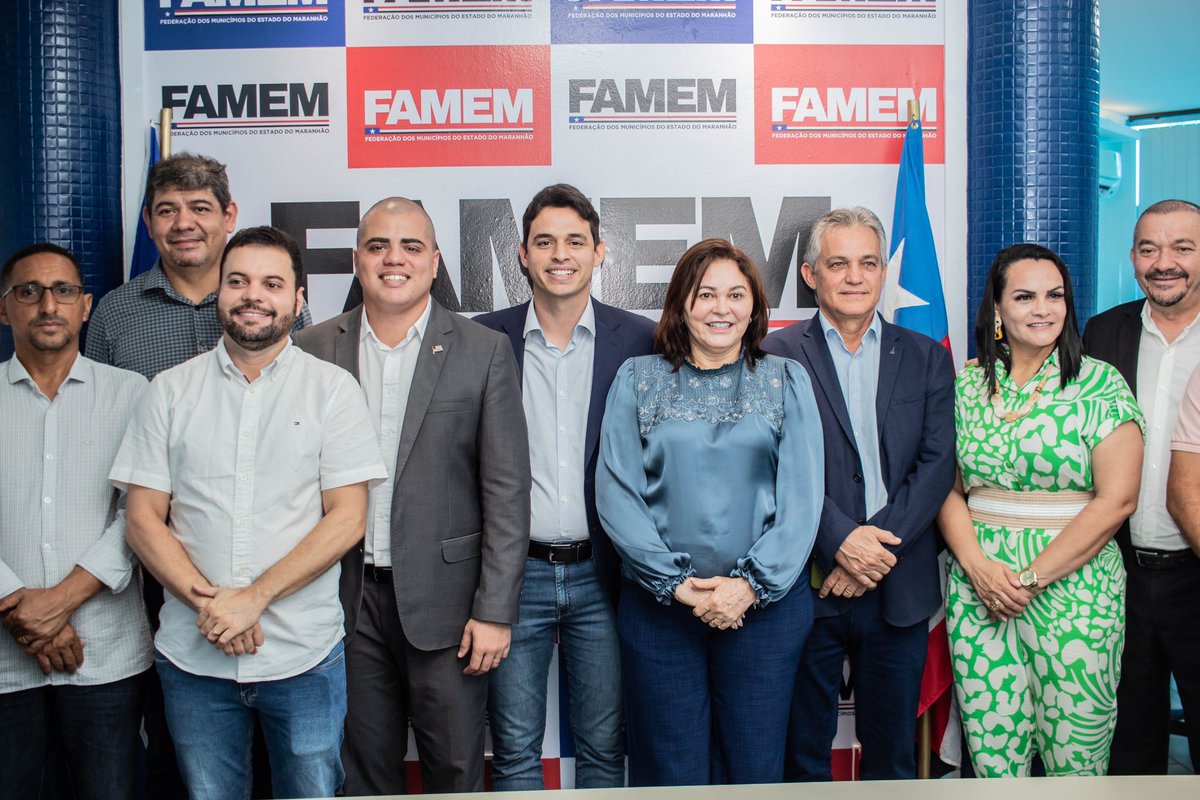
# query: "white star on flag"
[[895, 296]]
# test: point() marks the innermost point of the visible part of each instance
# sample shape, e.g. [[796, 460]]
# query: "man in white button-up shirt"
[[1155, 343], [78, 643], [260, 457]]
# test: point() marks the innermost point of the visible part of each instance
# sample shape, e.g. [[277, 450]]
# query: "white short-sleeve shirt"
[[245, 464]]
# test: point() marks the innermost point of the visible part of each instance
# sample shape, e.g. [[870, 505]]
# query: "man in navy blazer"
[[568, 348], [886, 396]]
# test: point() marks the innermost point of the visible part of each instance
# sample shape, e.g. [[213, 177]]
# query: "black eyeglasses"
[[30, 293]]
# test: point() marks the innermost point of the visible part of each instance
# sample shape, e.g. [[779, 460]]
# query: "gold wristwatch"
[[1029, 579]]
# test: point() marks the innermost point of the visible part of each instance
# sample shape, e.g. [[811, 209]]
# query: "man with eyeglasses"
[[78, 639]]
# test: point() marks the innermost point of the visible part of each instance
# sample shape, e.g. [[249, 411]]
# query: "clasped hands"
[[719, 602], [39, 621], [862, 562], [228, 618], [998, 588]]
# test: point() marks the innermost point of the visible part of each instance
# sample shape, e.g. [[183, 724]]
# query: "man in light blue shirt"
[[886, 397], [569, 347], [66, 577]]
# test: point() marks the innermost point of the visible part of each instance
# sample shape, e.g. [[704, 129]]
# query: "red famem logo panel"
[[845, 104], [448, 106]]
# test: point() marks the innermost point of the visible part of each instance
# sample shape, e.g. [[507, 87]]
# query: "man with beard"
[[66, 577], [247, 469], [158, 320], [1155, 345]]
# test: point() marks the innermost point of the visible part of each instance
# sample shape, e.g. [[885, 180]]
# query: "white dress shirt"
[[1162, 375], [245, 464], [556, 391], [59, 511], [386, 374]]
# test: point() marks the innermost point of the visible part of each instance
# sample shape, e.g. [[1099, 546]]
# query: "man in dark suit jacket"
[[431, 595], [568, 348], [1156, 345], [886, 397]]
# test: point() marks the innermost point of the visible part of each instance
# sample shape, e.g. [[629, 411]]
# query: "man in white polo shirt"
[[247, 470]]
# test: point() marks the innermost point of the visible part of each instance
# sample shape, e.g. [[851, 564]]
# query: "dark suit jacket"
[[1115, 337], [914, 407], [460, 508], [620, 335]]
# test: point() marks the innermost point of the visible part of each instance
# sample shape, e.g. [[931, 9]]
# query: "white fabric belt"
[[1027, 509]]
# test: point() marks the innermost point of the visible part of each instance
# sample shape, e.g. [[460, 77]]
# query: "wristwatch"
[[1029, 579]]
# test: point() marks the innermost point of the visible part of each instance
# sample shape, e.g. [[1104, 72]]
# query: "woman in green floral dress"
[[1049, 455]]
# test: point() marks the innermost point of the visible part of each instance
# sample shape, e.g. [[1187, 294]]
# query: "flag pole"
[[164, 132], [924, 733]]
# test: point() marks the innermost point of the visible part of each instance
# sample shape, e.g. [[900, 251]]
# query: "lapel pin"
[[893, 352], [437, 348]]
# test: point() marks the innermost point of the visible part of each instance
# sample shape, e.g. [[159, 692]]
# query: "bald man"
[[432, 593]]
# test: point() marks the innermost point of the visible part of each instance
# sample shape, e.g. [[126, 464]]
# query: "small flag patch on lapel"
[[437, 348]]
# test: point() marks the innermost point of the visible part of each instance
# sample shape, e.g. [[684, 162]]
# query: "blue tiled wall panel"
[[1033, 108], [60, 130]]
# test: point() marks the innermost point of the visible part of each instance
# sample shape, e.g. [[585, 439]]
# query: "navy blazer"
[[914, 407], [1116, 336], [620, 335]]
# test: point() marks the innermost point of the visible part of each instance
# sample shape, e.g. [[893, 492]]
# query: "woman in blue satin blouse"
[[710, 485]]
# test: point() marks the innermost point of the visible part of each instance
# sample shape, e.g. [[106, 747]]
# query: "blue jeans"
[[705, 706], [564, 601], [211, 720], [886, 663], [97, 730]]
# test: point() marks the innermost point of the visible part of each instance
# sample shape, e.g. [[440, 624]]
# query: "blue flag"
[[914, 294], [145, 254]]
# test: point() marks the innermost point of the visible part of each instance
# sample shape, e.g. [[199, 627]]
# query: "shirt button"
[[242, 477], [46, 500], [49, 456], [562, 499], [562, 464], [562, 394], [562, 428]]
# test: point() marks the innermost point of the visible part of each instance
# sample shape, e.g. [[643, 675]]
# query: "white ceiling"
[[1149, 56]]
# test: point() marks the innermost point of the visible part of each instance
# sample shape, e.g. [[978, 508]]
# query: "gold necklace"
[[1023, 411]]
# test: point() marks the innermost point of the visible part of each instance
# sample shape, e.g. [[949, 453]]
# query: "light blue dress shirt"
[[858, 376], [556, 389], [711, 472]]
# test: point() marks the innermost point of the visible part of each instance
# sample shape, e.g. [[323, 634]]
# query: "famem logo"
[[448, 106], [844, 104], [248, 108], [212, 24], [652, 103]]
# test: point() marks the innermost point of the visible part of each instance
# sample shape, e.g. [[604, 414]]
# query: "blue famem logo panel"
[[228, 24], [651, 21]]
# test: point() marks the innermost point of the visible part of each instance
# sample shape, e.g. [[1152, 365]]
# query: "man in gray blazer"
[[432, 593]]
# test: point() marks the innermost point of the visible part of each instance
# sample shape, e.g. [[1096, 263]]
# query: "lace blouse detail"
[[726, 394]]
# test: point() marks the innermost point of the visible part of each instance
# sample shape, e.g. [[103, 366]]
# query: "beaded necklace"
[[1023, 411]]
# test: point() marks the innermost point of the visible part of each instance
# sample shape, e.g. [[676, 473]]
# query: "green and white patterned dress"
[[1046, 681]]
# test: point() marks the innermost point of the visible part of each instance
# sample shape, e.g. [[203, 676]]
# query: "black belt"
[[1163, 559], [561, 552], [377, 574]]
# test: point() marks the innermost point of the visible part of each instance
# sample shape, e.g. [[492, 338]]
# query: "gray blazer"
[[460, 509]]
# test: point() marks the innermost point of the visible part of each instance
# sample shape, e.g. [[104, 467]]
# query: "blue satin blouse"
[[711, 472]]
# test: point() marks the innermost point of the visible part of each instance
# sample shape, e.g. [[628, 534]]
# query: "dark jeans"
[[886, 663], [97, 728], [1162, 637], [705, 706]]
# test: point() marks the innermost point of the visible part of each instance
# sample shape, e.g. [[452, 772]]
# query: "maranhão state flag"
[[913, 299], [145, 253]]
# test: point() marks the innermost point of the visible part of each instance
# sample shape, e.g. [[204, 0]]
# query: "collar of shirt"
[[273, 370], [1151, 327], [81, 371], [587, 322], [833, 335], [157, 281], [417, 331]]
